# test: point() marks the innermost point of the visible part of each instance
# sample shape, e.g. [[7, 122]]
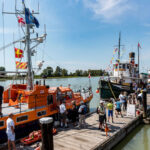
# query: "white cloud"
[[108, 9]]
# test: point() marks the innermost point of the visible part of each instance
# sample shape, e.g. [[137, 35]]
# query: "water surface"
[[138, 139]]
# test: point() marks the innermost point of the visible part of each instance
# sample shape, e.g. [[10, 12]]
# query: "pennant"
[[21, 21], [21, 65], [30, 19], [18, 53], [89, 75], [139, 46]]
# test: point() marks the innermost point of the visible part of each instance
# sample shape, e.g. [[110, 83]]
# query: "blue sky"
[[82, 33]]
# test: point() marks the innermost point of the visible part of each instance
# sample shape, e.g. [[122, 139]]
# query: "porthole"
[[22, 118], [41, 113]]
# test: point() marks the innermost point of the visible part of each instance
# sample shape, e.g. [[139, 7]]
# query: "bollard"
[[47, 133], [144, 99]]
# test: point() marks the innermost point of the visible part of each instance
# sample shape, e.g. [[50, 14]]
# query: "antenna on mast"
[[119, 45]]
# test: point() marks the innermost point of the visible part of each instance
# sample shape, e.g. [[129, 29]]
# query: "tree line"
[[61, 72]]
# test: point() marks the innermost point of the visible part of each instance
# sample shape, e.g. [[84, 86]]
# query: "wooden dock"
[[91, 137]]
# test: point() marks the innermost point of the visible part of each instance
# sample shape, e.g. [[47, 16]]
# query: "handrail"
[[111, 90]]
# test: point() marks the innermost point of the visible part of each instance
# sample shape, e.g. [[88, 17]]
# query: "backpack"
[[97, 110], [85, 110]]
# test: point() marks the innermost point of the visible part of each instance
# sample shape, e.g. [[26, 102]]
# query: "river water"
[[138, 139], [76, 84]]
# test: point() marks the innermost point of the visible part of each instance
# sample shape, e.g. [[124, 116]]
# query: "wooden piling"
[[47, 133], [144, 99]]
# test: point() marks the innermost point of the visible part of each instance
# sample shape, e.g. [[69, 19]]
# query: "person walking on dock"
[[74, 113], [118, 108], [101, 112], [10, 132], [63, 114], [110, 110], [122, 100], [82, 113]]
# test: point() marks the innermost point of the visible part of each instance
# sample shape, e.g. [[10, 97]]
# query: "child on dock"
[[118, 108], [110, 110]]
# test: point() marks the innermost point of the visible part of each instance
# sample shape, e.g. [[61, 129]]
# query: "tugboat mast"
[[119, 46]]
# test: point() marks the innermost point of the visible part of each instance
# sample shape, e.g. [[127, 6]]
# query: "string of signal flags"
[[19, 54]]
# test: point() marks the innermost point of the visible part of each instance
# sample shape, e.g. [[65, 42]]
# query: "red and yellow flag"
[[18, 53], [21, 65]]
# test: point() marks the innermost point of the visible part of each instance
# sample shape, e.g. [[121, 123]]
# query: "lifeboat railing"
[[20, 106]]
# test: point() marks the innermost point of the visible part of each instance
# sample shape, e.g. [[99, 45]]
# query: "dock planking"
[[88, 138]]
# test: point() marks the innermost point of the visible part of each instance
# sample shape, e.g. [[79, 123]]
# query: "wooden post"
[[144, 104], [47, 133]]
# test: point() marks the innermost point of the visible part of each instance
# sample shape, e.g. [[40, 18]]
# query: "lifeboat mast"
[[27, 41]]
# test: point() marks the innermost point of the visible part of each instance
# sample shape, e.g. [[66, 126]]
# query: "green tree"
[[78, 72], [64, 72], [2, 69], [58, 71], [48, 72]]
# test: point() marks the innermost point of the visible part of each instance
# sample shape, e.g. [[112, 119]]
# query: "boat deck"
[[7, 109]]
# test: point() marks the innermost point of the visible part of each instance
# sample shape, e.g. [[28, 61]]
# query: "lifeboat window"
[[41, 113], [1, 123], [69, 93], [49, 99], [58, 96], [20, 95], [22, 118]]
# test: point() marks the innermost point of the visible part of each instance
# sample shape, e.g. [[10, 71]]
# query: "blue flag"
[[30, 19]]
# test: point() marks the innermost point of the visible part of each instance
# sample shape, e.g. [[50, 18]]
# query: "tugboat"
[[125, 77], [31, 101]]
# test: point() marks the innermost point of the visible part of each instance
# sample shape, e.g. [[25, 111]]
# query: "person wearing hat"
[[63, 114], [81, 112], [10, 132], [101, 113]]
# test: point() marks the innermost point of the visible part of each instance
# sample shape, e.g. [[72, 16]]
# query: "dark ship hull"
[[108, 89]]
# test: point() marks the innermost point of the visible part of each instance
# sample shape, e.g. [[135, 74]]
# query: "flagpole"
[[138, 62]]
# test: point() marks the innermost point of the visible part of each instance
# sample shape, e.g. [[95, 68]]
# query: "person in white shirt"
[[10, 132], [63, 114], [81, 115]]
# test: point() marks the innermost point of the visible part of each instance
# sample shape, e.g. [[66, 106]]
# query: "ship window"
[[41, 113], [49, 99], [120, 66], [22, 118], [1, 123], [124, 66]]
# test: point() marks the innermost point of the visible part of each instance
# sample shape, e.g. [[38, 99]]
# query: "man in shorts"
[[118, 108], [101, 112], [10, 132]]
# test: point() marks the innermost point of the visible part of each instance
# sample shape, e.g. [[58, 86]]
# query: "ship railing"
[[23, 106]]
